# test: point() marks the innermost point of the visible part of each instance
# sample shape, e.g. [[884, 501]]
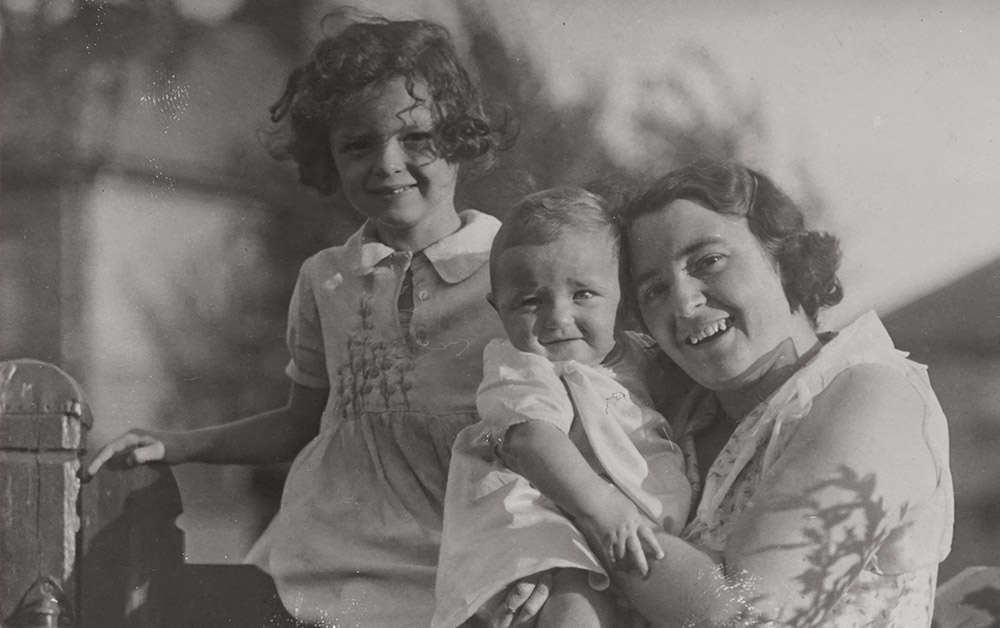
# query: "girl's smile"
[[389, 170]]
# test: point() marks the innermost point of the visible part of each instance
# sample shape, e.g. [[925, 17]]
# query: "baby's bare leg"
[[574, 602]]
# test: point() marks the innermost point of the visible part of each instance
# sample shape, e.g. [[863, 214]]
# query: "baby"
[[570, 468]]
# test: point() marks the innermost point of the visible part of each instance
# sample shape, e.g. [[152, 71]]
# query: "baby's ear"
[[492, 301]]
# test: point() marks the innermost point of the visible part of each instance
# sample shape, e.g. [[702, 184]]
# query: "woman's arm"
[[274, 436], [846, 478], [546, 456]]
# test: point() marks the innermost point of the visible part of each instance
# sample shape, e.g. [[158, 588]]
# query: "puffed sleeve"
[[519, 386], [305, 334]]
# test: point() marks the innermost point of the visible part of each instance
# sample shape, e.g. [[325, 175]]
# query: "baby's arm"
[[612, 524]]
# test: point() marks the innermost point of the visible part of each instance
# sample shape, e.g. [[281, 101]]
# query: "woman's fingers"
[[531, 607], [523, 602], [503, 616]]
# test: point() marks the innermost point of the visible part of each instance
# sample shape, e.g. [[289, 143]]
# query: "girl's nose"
[[390, 159]]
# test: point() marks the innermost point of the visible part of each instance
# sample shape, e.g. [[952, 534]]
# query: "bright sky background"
[[894, 107]]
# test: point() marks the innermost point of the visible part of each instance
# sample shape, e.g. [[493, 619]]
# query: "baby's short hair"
[[542, 217]]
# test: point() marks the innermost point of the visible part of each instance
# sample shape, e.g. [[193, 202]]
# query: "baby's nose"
[[560, 315]]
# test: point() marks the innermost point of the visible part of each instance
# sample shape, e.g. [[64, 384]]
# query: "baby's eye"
[[529, 302], [584, 294]]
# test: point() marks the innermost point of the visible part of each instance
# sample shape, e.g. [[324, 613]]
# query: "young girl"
[[386, 331], [567, 428]]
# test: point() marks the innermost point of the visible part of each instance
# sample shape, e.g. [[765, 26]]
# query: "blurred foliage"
[[216, 352], [223, 353]]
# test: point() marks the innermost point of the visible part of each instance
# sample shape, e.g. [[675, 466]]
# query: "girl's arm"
[[544, 455], [853, 467], [274, 436]]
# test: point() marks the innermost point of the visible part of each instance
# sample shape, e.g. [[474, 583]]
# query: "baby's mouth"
[[709, 332], [556, 341]]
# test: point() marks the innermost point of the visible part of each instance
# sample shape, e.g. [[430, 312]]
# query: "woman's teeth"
[[709, 331]]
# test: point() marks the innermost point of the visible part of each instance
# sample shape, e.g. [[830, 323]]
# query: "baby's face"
[[560, 300]]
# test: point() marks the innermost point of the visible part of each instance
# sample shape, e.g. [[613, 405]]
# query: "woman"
[[821, 460]]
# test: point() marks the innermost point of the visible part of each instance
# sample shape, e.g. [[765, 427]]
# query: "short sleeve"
[[519, 386], [305, 335]]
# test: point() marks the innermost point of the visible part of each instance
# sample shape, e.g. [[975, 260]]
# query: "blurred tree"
[[613, 138]]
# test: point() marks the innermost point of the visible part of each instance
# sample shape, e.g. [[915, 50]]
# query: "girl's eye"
[[417, 136], [529, 302], [354, 146], [584, 294], [418, 140]]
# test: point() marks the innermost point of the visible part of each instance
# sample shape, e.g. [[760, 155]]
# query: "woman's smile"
[[710, 294], [708, 333]]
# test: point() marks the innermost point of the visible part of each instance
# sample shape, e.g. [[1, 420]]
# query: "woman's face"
[[711, 295]]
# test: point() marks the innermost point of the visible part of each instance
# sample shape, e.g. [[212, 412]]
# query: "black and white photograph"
[[499, 314]]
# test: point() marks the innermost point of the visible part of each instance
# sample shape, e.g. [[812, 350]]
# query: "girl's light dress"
[[895, 589], [355, 542], [498, 528]]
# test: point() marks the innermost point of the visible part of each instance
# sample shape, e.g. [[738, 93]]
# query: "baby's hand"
[[620, 533]]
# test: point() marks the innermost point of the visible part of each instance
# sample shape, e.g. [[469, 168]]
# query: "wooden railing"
[[108, 553], [101, 554]]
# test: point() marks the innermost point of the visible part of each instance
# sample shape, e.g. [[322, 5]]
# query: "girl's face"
[[711, 295], [383, 151], [559, 300]]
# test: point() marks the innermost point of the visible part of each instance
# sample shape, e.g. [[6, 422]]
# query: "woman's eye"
[[652, 291], [708, 262], [529, 302]]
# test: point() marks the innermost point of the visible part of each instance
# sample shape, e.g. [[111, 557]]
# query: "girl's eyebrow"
[[350, 137]]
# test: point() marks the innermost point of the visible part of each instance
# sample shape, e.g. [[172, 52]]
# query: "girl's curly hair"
[[366, 53], [807, 260]]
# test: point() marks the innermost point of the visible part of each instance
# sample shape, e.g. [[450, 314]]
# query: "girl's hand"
[[619, 532], [523, 602], [137, 447]]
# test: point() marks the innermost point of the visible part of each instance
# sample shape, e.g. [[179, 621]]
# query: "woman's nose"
[[688, 296], [389, 159]]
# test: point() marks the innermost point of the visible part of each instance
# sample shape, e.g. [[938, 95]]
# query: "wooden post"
[[43, 424]]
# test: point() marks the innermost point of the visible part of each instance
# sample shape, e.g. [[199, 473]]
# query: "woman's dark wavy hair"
[[365, 53], [807, 260]]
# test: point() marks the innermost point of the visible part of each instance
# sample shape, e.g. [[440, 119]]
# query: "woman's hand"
[[619, 532], [523, 602], [137, 447]]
